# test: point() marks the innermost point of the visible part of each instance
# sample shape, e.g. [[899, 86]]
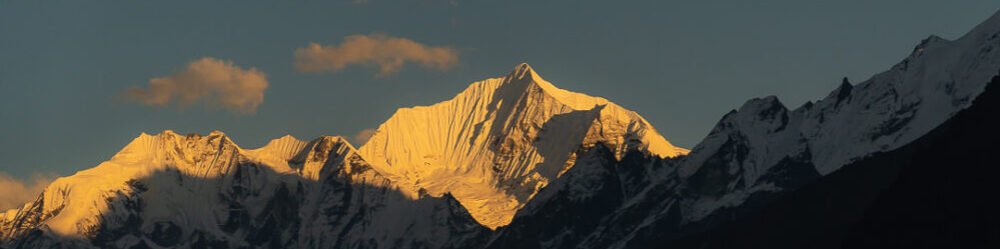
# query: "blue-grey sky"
[[65, 65]]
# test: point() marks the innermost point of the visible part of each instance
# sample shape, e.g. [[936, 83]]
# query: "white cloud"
[[388, 53], [15, 193], [362, 137], [211, 81]]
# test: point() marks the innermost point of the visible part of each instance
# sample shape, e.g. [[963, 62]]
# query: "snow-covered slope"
[[892, 109], [761, 150], [494, 145], [550, 168], [173, 190]]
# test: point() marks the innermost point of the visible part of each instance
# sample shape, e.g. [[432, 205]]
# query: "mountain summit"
[[488, 150], [903, 159], [495, 144], [192, 191]]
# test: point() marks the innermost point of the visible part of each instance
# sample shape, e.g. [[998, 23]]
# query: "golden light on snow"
[[171, 159], [515, 134], [388, 53]]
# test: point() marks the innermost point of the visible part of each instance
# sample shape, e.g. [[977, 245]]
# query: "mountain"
[[442, 177], [926, 194], [494, 145], [900, 160], [193, 191], [758, 154]]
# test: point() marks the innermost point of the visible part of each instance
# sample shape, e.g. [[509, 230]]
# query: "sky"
[[79, 80]]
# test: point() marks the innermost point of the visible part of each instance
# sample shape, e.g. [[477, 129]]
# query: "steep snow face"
[[758, 152], [170, 190], [892, 109], [494, 145], [77, 202]]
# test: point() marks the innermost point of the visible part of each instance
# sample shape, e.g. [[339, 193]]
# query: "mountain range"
[[901, 159]]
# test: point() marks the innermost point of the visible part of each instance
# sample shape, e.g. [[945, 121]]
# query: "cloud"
[[362, 137], [14, 193], [211, 81], [388, 53]]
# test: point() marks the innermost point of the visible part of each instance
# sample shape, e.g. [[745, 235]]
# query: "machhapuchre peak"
[[900, 160]]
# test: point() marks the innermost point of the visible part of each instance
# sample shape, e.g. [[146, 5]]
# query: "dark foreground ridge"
[[936, 192]]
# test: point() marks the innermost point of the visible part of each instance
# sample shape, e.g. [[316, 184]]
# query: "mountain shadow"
[[933, 193], [566, 212], [345, 204]]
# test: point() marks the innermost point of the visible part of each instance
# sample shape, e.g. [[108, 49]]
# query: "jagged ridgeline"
[[440, 176], [171, 190], [496, 144], [764, 152], [514, 162]]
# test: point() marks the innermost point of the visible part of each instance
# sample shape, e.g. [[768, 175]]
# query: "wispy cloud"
[[15, 193], [390, 54], [211, 81], [362, 137]]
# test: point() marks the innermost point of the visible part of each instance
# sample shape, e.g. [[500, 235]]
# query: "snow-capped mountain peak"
[[206, 189], [524, 78], [496, 143], [892, 109], [285, 147], [523, 71], [579, 171]]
